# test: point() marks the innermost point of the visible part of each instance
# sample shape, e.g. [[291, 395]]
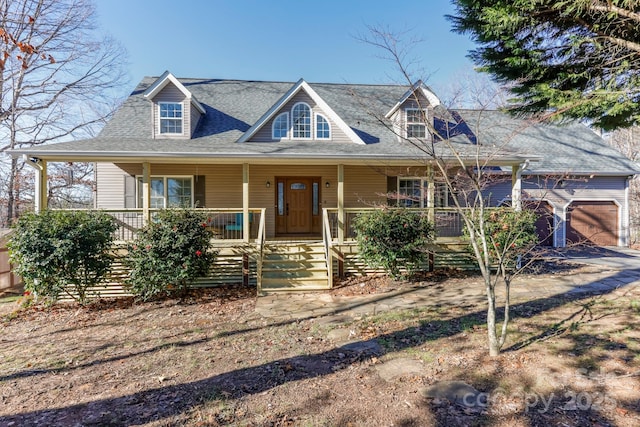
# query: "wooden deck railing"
[[226, 224], [448, 222]]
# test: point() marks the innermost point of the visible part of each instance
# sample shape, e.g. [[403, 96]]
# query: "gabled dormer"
[[300, 115], [175, 111], [412, 116]]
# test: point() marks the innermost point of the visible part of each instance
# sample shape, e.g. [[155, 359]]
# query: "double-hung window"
[[170, 117], [168, 192], [416, 127]]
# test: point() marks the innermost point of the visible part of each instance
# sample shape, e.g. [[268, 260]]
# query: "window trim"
[[326, 120], [165, 188], [273, 126], [311, 124], [175, 119], [424, 114]]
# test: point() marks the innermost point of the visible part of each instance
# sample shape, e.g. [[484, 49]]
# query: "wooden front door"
[[297, 200]]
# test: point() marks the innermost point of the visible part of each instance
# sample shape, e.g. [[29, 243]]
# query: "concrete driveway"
[[617, 258]]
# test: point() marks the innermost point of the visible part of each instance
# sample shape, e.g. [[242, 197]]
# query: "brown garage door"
[[594, 223]]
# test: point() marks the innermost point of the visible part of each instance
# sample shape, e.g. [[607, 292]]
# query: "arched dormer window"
[[280, 129], [301, 120], [323, 129]]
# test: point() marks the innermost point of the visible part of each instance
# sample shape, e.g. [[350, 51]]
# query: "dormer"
[[175, 111], [412, 116], [301, 115]]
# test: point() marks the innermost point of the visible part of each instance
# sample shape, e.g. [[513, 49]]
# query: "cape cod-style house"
[[282, 168]]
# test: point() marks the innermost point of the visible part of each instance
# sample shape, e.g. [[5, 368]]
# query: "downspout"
[[40, 196]]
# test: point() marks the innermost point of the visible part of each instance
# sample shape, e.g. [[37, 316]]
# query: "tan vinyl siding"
[[171, 93], [337, 135], [223, 183], [364, 187], [109, 186]]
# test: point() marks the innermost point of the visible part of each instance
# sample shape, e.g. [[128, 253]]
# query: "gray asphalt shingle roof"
[[233, 106]]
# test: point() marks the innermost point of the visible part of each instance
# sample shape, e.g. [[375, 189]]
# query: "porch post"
[[245, 202], [431, 194], [341, 217], [516, 186], [146, 192], [40, 199]]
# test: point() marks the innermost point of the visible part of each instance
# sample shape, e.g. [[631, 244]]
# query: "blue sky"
[[283, 40]]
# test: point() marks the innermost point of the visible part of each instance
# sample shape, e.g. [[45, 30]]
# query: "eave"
[[256, 158]]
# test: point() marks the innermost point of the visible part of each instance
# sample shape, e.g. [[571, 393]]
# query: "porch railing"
[[448, 221], [226, 224]]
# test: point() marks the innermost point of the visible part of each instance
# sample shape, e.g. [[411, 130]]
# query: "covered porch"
[[280, 227]]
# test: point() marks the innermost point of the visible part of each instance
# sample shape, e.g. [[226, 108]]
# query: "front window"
[[168, 192], [301, 119], [170, 117], [281, 126], [412, 193], [416, 127], [323, 131]]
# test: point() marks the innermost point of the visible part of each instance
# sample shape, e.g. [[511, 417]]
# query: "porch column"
[[146, 192], [40, 200], [341, 217], [431, 194], [245, 202], [516, 186]]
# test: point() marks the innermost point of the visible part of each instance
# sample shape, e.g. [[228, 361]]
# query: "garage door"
[[594, 223]]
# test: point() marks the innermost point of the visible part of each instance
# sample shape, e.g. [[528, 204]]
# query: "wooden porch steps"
[[294, 266]]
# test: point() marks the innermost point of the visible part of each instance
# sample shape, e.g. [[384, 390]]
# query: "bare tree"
[[466, 170], [60, 87]]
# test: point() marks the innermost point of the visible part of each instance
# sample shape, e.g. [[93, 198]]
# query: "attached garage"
[[592, 222]]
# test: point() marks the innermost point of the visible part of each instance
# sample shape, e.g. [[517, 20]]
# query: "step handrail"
[[260, 242], [328, 245]]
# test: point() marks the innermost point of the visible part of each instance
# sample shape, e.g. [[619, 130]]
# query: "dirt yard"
[[211, 360]]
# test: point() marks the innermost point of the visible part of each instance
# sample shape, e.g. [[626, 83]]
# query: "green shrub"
[[510, 234], [169, 253], [62, 252], [393, 238]]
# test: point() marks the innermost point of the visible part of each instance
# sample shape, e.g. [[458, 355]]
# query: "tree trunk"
[[494, 345], [11, 184]]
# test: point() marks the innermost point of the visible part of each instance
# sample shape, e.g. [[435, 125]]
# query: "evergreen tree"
[[568, 58]]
